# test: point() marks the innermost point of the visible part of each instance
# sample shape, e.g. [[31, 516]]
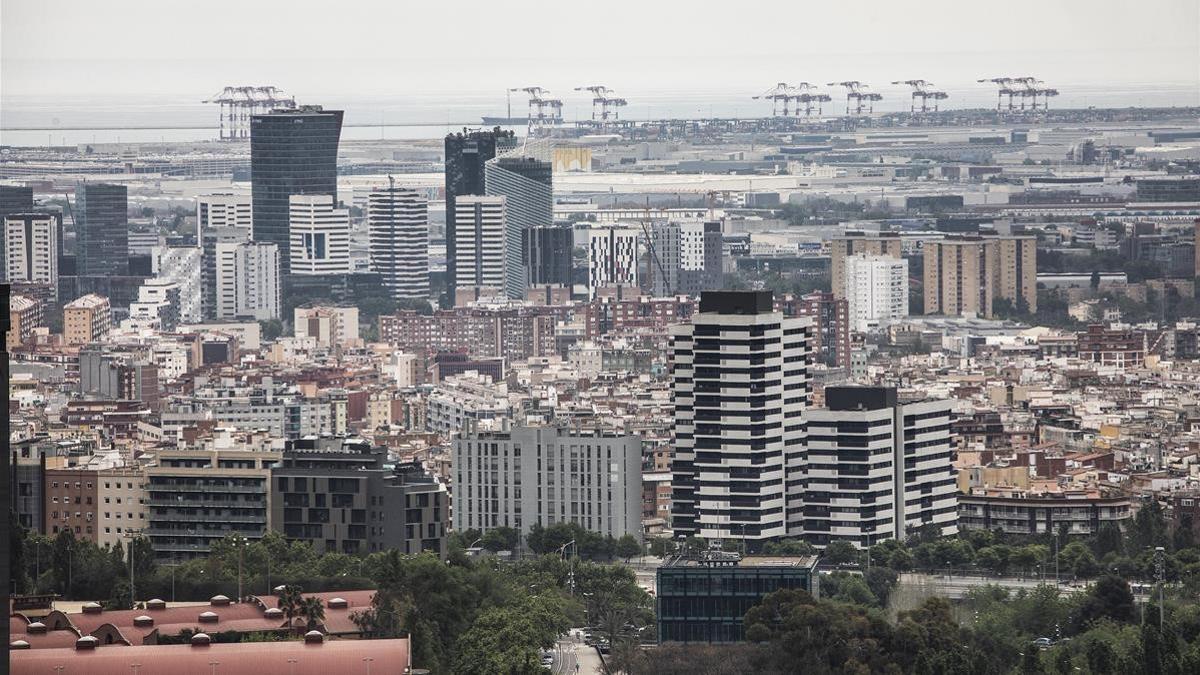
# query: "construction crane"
[[604, 104], [923, 89], [238, 104], [780, 92], [857, 92], [539, 104]]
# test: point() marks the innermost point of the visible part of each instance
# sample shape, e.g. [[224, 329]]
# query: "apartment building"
[[86, 319], [855, 243], [966, 275]]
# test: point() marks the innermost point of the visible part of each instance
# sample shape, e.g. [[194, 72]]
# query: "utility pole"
[[131, 535], [1160, 569]]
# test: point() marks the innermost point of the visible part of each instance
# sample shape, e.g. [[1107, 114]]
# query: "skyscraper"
[[292, 152], [466, 155], [101, 229], [398, 224], [219, 218], [479, 247], [548, 252], [877, 467], [612, 257], [320, 236], [13, 199], [740, 388], [526, 183], [876, 289], [247, 276], [31, 245]]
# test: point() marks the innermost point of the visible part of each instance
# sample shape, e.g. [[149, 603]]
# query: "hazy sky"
[[345, 47]]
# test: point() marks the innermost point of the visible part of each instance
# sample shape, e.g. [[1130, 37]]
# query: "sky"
[[56, 48]]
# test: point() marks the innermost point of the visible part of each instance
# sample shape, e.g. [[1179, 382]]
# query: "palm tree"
[[291, 601], [313, 612]]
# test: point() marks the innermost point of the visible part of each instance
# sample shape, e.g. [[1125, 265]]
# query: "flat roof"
[[806, 561]]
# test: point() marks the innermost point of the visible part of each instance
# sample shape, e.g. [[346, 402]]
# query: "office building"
[[830, 327], [340, 495], [24, 315], [247, 281], [686, 258], [156, 307], [466, 154], [548, 475], [86, 319], [32, 244], [101, 229], [221, 217], [398, 224], [320, 236], [13, 199], [967, 274], [704, 597], [183, 267], [876, 290], [547, 251], [292, 152], [854, 243], [612, 257], [877, 468], [197, 496], [740, 388], [526, 183], [480, 253]]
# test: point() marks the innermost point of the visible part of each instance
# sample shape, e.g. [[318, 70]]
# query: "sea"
[[33, 121]]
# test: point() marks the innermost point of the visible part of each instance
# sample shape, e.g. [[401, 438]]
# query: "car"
[[547, 659], [1043, 643]]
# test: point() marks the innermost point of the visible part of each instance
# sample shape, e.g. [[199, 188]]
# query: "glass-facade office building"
[[101, 229], [292, 152], [466, 155], [526, 182], [705, 599]]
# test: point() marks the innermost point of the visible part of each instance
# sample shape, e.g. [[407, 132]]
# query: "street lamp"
[[240, 542], [1160, 569], [367, 660], [131, 535]]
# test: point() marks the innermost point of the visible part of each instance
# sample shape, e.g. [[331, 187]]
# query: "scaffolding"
[[238, 104]]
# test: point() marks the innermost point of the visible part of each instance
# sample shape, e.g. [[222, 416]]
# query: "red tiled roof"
[[123, 619], [345, 657]]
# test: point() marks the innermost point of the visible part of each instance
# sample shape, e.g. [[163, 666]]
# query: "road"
[[572, 656], [956, 586]]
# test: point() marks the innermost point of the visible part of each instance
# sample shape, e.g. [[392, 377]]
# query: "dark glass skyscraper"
[[466, 154], [101, 229], [292, 152], [548, 254], [526, 182]]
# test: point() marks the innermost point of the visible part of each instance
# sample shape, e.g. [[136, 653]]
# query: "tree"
[[1108, 539], [839, 551], [1109, 598], [313, 612], [271, 329], [291, 601], [789, 547], [628, 547], [501, 539], [1100, 657], [1095, 281], [1149, 528]]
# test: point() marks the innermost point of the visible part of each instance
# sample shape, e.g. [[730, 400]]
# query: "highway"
[[956, 586]]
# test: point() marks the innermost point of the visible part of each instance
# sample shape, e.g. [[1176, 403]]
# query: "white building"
[[320, 235], [877, 468], [182, 266], [247, 280], [31, 248], [223, 210], [469, 397], [398, 220], [740, 387], [548, 475], [876, 290], [479, 241], [328, 326], [612, 257]]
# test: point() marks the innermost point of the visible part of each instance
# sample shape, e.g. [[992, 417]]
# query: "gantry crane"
[[780, 92], [1003, 88], [604, 104], [809, 99], [1023, 88], [858, 93], [539, 104], [238, 104], [923, 89]]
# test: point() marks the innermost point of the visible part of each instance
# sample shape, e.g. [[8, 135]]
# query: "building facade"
[[292, 152], [854, 243], [876, 290], [101, 229], [320, 236], [398, 225], [466, 154], [247, 281], [182, 266], [220, 218], [548, 475], [32, 245], [966, 275], [740, 388], [86, 319], [612, 257], [479, 252], [548, 251], [877, 468], [527, 185]]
